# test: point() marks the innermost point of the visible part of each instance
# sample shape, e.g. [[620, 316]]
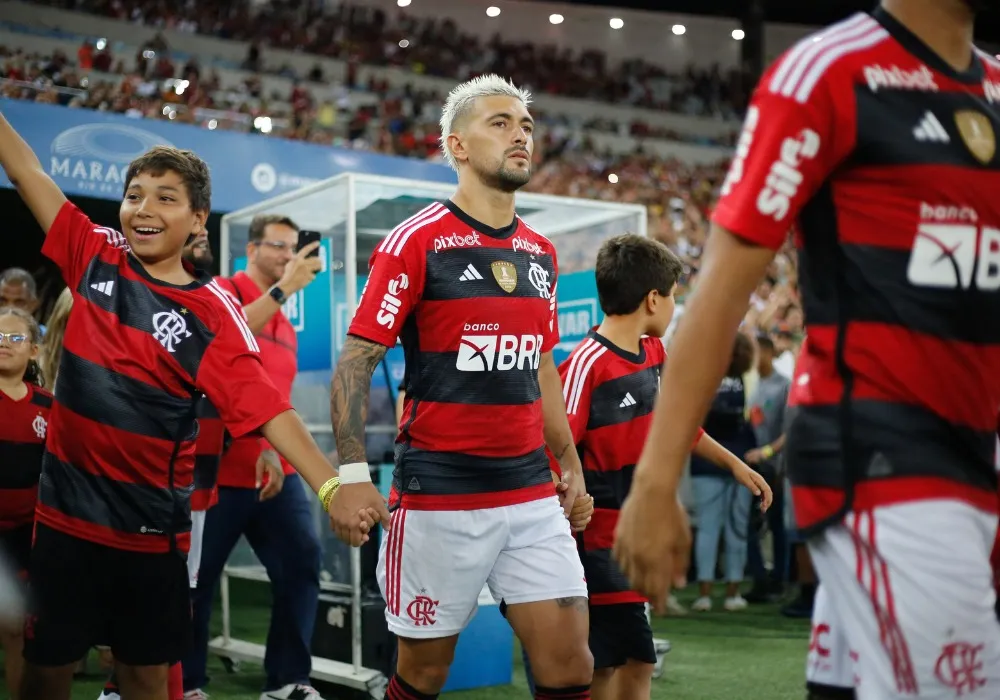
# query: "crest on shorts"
[[505, 274], [978, 134]]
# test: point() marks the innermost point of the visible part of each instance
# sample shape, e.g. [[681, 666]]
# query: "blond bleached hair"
[[463, 97]]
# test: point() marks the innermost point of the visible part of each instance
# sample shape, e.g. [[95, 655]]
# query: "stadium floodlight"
[[617, 23], [678, 29], [738, 34], [556, 19], [492, 11]]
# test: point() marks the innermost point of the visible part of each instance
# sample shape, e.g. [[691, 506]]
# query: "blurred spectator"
[[18, 289], [52, 346], [767, 416], [722, 506]]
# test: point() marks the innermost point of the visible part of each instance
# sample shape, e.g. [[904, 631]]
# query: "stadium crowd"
[[367, 35]]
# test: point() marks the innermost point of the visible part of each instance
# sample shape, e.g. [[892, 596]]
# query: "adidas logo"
[[104, 287], [627, 401], [930, 129], [470, 274]]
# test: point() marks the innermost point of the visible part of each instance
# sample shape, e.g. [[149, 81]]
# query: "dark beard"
[[507, 180], [203, 263]]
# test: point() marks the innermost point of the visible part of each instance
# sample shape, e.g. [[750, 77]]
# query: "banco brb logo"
[[486, 353], [950, 256]]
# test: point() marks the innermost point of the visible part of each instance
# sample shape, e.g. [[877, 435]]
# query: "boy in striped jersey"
[[147, 338], [610, 384]]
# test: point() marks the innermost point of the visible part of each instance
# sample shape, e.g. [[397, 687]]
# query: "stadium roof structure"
[[810, 12]]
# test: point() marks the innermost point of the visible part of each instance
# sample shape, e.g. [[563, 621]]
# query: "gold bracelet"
[[767, 451], [327, 491]]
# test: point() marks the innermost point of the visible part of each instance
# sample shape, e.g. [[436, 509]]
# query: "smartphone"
[[307, 237]]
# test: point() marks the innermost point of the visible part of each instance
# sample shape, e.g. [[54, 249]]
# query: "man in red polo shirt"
[[273, 512]]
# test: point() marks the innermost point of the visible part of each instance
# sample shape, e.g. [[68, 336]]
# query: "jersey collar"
[[635, 358], [911, 42], [501, 233]]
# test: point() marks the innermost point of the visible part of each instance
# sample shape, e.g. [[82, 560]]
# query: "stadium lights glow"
[[403, 43], [492, 11], [678, 29], [556, 19], [738, 34], [263, 124], [617, 23], [402, 3], [613, 179]]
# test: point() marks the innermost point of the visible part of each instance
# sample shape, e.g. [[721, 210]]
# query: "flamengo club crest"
[[505, 274], [39, 425], [977, 132], [170, 328]]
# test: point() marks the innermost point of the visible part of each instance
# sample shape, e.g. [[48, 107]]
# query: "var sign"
[[576, 318], [295, 310]]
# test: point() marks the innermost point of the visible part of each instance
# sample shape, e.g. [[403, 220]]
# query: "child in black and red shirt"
[[147, 339], [24, 419], [611, 382]]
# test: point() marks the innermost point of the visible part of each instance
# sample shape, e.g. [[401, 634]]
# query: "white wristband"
[[356, 473]]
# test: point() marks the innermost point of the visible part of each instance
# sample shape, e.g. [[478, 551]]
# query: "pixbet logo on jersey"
[[785, 178], [497, 352], [895, 77], [527, 246], [391, 302], [456, 240], [952, 251]]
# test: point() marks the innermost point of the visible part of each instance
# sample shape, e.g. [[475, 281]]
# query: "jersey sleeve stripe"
[[585, 346], [398, 248], [808, 84], [794, 65], [237, 316], [582, 382], [389, 241]]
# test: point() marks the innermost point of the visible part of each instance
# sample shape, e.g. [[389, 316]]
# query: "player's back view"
[[884, 154], [470, 290]]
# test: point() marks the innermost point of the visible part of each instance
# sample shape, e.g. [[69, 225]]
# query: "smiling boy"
[[147, 338]]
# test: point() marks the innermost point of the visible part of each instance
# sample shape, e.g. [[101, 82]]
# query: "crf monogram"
[[422, 610], [170, 328], [39, 425], [960, 668]]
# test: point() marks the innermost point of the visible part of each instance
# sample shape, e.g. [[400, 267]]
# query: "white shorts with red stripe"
[[433, 564], [912, 587], [831, 661]]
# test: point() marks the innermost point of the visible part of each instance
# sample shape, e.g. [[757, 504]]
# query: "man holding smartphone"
[[274, 512]]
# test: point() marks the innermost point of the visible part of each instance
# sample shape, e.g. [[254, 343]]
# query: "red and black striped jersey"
[[610, 394], [23, 427], [138, 355], [208, 449], [885, 158], [474, 307]]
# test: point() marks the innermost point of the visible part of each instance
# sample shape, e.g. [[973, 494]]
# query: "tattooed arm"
[[352, 381]]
